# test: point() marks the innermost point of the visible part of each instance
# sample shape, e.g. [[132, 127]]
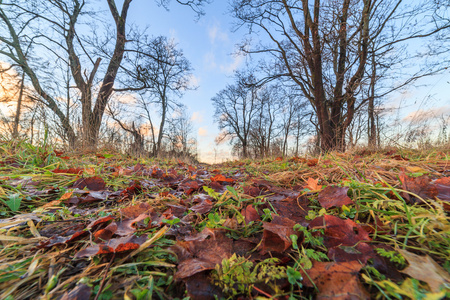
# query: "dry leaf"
[[424, 268]]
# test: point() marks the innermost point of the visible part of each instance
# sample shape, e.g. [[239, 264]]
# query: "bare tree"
[[161, 74], [323, 46], [236, 107]]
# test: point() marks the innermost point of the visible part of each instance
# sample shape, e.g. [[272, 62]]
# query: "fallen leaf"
[[134, 211], [418, 185], [202, 252], [312, 162], [295, 209], [424, 268], [113, 246], [92, 183], [312, 184], [250, 214], [220, 178], [339, 232], [276, 235], [336, 280], [105, 234], [125, 227], [77, 171], [334, 196]]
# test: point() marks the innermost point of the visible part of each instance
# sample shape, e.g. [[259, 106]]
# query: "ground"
[[338, 226]]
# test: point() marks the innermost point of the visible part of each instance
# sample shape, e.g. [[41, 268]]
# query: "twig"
[[104, 277]]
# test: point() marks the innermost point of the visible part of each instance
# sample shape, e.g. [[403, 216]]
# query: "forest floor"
[[339, 226]]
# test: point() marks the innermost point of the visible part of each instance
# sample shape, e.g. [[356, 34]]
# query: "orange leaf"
[[312, 185]]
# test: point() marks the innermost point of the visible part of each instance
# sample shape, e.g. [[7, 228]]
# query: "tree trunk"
[[18, 108], [372, 130]]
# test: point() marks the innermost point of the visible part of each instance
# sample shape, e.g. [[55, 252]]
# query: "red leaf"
[[276, 235], [250, 214], [334, 196], [418, 185], [339, 232], [221, 178], [105, 234], [113, 246], [77, 171], [92, 183], [336, 280], [100, 221]]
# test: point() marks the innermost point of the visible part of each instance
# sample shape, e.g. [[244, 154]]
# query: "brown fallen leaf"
[[339, 232], [250, 214], [220, 178], [134, 211], [106, 233], [424, 268], [336, 280], [125, 227], [334, 196], [92, 183], [113, 246], [312, 184], [418, 185], [276, 235]]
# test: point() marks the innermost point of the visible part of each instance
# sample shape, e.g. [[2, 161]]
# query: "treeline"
[[320, 69]]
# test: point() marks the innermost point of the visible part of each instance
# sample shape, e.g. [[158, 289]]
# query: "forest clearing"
[[368, 225]]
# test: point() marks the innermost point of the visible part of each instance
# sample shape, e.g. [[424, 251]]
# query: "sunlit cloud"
[[197, 117], [422, 115], [202, 131]]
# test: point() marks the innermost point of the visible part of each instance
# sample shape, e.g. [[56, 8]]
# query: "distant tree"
[[180, 137], [236, 107], [161, 74]]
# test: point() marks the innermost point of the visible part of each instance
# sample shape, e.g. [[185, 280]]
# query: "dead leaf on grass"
[[95, 183], [334, 196], [276, 235], [113, 246], [312, 184], [424, 268], [336, 280]]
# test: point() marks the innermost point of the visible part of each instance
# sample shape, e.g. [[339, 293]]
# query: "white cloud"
[[233, 65], [422, 115], [197, 116], [216, 34], [202, 131]]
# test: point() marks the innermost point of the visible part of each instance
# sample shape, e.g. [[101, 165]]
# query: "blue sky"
[[209, 44]]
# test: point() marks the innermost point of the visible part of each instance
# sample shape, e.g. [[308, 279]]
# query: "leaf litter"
[[332, 227]]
